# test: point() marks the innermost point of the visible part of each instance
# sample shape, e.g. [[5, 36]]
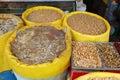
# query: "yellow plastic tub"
[[3, 39], [68, 78], [44, 70], [99, 75], [28, 11], [88, 38]]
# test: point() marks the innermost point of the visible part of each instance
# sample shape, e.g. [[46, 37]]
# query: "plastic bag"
[[44, 70], [61, 76], [88, 38], [3, 39]]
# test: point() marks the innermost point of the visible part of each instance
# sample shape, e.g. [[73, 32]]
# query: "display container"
[[29, 11], [88, 38], [115, 46], [3, 39], [77, 71], [45, 70]]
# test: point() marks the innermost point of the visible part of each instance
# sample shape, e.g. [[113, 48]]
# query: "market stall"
[[50, 40]]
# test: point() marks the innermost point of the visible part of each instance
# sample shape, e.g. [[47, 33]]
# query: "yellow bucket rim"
[[28, 11], [98, 74]]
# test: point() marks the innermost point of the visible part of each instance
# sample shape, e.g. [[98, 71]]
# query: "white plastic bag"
[[80, 6]]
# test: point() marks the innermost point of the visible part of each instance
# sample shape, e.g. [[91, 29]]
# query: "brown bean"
[[44, 16], [109, 55], [86, 24]]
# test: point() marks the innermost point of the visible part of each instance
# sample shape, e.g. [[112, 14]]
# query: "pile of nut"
[[44, 16], [86, 55], [93, 55], [86, 24], [105, 78], [38, 44], [7, 25], [109, 55]]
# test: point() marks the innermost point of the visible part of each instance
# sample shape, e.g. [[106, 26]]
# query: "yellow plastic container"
[[28, 11], [68, 78], [3, 39], [99, 75], [88, 38], [44, 70]]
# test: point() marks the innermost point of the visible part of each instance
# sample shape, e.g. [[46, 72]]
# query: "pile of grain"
[[86, 24], [44, 16]]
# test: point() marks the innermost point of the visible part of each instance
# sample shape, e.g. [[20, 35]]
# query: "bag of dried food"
[[43, 15], [39, 52], [8, 24], [87, 26], [100, 76]]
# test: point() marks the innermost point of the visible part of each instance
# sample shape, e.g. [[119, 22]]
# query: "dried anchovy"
[[38, 45], [7, 25]]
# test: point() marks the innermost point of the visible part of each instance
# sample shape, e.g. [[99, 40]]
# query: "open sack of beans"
[[42, 15], [39, 52], [8, 24], [87, 26], [100, 76]]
